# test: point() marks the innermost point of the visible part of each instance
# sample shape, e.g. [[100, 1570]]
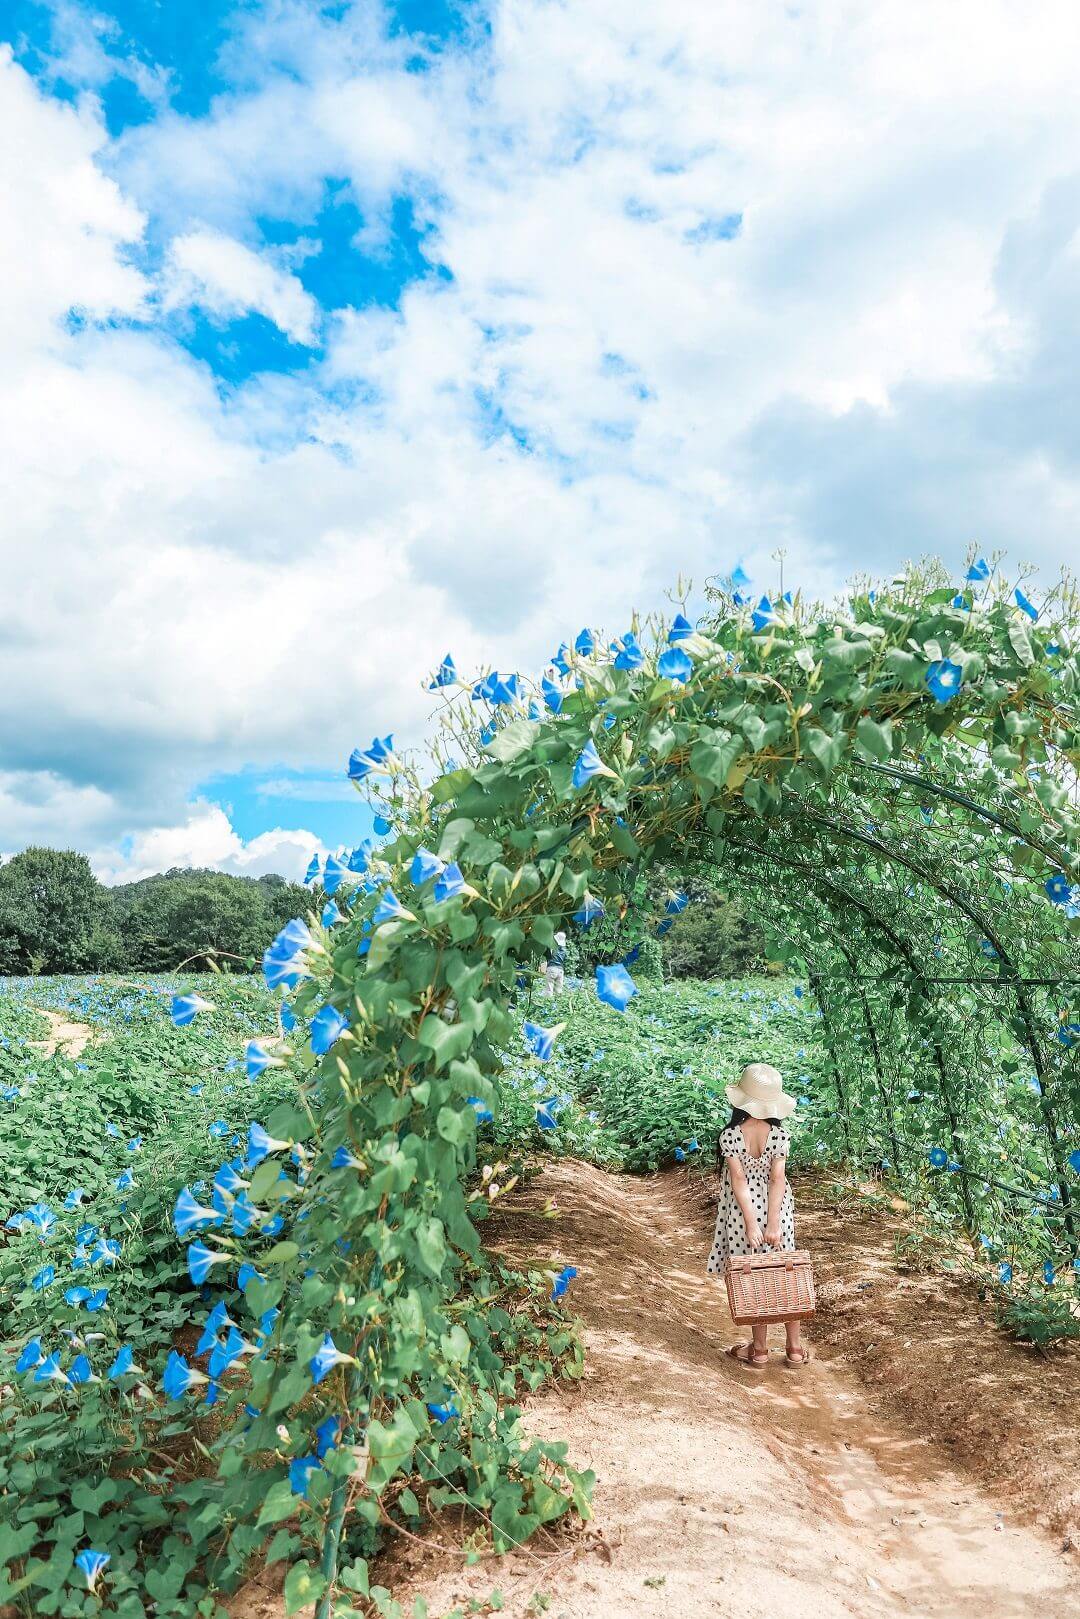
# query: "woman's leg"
[[795, 1348], [761, 1340]]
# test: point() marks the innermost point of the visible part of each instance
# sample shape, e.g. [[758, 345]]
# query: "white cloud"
[[882, 361], [206, 839], [226, 278]]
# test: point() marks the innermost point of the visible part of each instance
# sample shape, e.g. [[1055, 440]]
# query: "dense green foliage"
[[55, 917], [885, 786]]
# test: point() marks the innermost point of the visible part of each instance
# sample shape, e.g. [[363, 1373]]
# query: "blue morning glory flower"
[[562, 1281], [445, 675], [763, 615], [222, 1356], [106, 1250], [44, 1278], [443, 1413], [32, 1356], [938, 1157], [1024, 605], [329, 914], [325, 1358], [40, 1217], [326, 1435], [674, 664], [313, 869], [178, 1376], [629, 654], [1048, 1273], [546, 1113], [390, 909], [589, 911], [97, 1299], [76, 1296], [333, 874], [50, 1371], [978, 572], [300, 1471], [201, 1261], [676, 904], [1005, 1272], [364, 761], [247, 1273], [1058, 888], [92, 1564], [680, 1156], [186, 1008], [483, 1113], [123, 1363], [260, 1145], [552, 696], [327, 1027], [257, 1058], [283, 961], [615, 987], [81, 1371], [541, 1041], [944, 679], [450, 883], [680, 629], [585, 645], [288, 1017], [740, 579], [1074, 1160], [960, 603], [588, 765], [425, 865]]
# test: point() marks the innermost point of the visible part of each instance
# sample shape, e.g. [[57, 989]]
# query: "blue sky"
[[343, 335]]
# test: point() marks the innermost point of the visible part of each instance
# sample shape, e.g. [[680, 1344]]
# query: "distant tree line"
[[55, 917]]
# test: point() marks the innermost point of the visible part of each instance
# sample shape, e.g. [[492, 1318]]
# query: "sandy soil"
[[719, 1490], [70, 1039]]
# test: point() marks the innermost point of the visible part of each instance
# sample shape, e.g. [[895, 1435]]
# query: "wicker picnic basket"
[[769, 1287]]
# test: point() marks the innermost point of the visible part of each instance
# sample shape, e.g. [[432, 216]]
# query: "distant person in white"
[[555, 970]]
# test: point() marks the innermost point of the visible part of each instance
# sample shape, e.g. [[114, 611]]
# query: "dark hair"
[[738, 1114]]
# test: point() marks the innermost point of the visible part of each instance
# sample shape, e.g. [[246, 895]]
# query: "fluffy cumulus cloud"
[[359, 337]]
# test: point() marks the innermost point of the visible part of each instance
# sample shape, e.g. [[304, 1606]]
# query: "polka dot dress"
[[730, 1235]]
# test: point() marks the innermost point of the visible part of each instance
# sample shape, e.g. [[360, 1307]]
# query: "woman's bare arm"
[[742, 1197], [777, 1187]]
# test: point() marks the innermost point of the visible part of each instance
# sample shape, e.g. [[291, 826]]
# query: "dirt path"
[[721, 1491], [70, 1039]]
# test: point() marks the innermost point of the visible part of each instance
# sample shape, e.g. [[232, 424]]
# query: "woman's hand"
[[753, 1232], [772, 1235]]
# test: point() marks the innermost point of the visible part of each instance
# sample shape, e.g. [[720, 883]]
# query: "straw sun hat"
[[760, 1092]]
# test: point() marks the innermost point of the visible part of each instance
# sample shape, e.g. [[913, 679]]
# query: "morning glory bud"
[[674, 665], [615, 987], [1024, 605], [327, 1027], [425, 865], [541, 1041], [390, 909], [92, 1565], [186, 1008]]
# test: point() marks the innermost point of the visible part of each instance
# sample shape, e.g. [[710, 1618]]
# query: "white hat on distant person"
[[760, 1092]]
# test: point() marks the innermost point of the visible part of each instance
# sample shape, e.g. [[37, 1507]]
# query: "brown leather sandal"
[[749, 1356], [803, 1357]]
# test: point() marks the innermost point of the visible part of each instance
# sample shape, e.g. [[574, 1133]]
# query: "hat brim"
[[780, 1108]]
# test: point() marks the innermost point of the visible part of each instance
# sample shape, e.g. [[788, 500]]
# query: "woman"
[[756, 1206]]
